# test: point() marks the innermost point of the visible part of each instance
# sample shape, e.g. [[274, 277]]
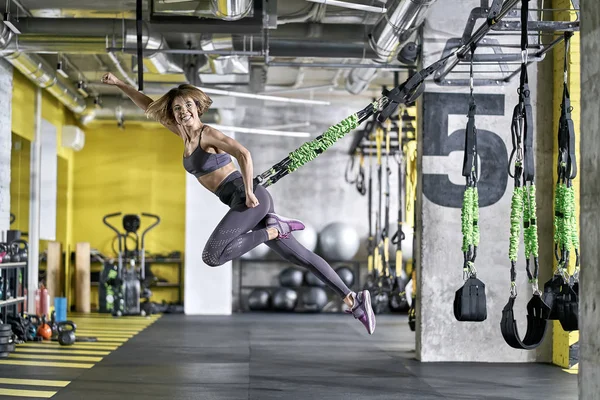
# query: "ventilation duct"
[[231, 10], [43, 75], [386, 37], [311, 40], [91, 36], [228, 10]]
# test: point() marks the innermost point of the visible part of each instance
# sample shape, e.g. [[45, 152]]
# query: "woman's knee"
[[211, 259]]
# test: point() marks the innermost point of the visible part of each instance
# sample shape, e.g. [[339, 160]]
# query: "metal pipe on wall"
[[34, 205], [386, 37]]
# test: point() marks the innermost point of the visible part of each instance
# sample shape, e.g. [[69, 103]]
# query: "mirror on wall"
[[19, 184]]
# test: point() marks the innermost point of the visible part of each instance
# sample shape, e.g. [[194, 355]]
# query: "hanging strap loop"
[[523, 211]]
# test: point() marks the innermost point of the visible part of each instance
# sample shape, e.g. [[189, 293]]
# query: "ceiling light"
[[61, 71], [260, 131], [263, 97], [345, 4], [286, 126], [11, 23]]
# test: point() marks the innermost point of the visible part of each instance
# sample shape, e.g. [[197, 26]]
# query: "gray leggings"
[[243, 228]]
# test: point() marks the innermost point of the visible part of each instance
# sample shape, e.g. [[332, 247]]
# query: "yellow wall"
[[138, 169], [563, 341], [135, 170], [19, 182]]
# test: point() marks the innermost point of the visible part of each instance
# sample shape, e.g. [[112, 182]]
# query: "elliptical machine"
[[122, 283]]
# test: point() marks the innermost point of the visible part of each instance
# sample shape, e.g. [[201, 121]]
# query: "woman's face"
[[185, 111]]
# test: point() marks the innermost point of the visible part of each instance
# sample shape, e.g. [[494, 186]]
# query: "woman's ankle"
[[349, 300], [273, 233]]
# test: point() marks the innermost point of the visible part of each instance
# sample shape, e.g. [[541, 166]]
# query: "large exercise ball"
[[257, 253], [407, 244], [291, 277], [314, 299], [346, 274], [307, 237], [311, 280], [259, 300], [285, 299], [339, 241]]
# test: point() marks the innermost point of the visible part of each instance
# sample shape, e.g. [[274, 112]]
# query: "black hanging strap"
[[470, 302], [566, 130], [140, 49], [470, 155], [410, 90], [536, 324], [522, 135]]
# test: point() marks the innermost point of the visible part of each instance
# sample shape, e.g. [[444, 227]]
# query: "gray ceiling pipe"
[[386, 37], [43, 75], [311, 40], [90, 36], [227, 10], [231, 10]]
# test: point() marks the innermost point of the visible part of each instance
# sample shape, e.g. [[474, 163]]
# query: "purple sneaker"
[[362, 310], [284, 225]]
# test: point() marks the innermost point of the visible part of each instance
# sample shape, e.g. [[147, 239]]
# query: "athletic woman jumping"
[[251, 219]]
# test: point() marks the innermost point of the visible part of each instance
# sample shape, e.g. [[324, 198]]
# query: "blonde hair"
[[161, 110]]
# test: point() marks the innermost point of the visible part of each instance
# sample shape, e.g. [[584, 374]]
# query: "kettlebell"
[[5, 249], [44, 330], [19, 253], [66, 337]]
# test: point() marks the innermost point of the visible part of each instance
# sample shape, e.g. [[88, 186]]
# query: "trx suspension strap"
[[370, 243], [359, 180], [387, 271], [407, 92], [523, 210], [378, 249], [469, 300], [561, 292], [398, 301], [399, 235]]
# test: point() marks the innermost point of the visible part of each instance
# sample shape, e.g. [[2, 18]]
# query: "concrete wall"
[[589, 317], [6, 74], [443, 114], [317, 193]]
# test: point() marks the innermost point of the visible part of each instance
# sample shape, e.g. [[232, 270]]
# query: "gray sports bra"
[[201, 162]]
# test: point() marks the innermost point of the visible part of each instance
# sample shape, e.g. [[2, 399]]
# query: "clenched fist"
[[110, 79]]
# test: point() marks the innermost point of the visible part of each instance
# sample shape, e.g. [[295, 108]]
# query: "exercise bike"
[[122, 286]]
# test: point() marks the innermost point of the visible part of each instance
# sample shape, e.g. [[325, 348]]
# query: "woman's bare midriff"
[[212, 180]]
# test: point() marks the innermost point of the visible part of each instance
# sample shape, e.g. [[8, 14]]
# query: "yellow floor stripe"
[[79, 346], [55, 358], [573, 337], [33, 382], [109, 323], [110, 316], [571, 371], [103, 335], [27, 393], [100, 339], [62, 350], [45, 364], [110, 330]]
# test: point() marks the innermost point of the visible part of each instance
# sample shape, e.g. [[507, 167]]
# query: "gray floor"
[[282, 356]]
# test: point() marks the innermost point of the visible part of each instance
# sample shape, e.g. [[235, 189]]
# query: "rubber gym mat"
[[298, 356]]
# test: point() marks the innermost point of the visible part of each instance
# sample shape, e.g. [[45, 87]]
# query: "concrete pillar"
[[442, 112], [6, 86], [589, 314]]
